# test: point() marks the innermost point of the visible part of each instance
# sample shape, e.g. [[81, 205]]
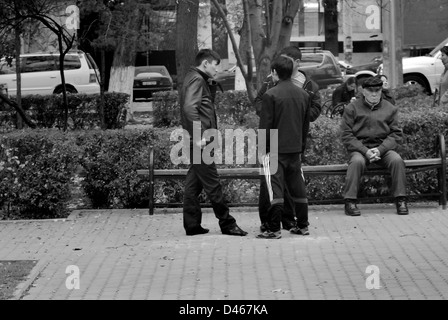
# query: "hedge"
[[38, 167], [47, 111]]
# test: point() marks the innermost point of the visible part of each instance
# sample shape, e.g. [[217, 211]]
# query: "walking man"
[[198, 111]]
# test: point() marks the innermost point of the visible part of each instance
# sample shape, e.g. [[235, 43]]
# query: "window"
[[71, 62], [38, 64]]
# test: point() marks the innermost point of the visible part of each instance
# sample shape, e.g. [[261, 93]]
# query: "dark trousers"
[[204, 177], [359, 164], [288, 216], [288, 176]]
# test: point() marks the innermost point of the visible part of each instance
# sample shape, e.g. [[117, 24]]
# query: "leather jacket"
[[197, 102]]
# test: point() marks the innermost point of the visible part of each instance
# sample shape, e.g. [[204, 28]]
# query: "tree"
[[268, 29], [45, 12], [186, 42], [331, 26]]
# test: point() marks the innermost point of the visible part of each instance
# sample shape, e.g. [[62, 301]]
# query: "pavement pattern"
[[128, 254]]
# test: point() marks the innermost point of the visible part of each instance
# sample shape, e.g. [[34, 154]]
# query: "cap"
[[372, 82]]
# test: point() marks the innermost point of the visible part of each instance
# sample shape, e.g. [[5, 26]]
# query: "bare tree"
[[43, 11], [269, 26]]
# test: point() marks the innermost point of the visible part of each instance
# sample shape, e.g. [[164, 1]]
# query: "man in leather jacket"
[[301, 80], [198, 114]]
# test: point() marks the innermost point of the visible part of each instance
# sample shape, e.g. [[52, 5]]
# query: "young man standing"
[[198, 111], [284, 117], [300, 80]]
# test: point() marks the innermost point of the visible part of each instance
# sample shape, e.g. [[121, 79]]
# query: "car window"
[[71, 62], [311, 60], [157, 69], [38, 64]]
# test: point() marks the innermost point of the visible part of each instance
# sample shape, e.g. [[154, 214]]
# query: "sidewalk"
[[127, 254]]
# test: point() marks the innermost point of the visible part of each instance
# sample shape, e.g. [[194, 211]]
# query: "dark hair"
[[283, 66], [351, 80], [293, 52], [206, 54], [445, 50]]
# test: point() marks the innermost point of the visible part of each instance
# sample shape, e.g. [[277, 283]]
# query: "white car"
[[425, 70], [40, 74]]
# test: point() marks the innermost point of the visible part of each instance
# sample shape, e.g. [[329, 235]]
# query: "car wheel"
[[68, 89], [413, 80]]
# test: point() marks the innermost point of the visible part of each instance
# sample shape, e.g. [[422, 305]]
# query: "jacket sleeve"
[[349, 140], [259, 99], [395, 136], [315, 108], [192, 103]]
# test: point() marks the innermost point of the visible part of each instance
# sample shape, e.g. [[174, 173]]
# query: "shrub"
[[110, 160], [36, 167], [47, 111]]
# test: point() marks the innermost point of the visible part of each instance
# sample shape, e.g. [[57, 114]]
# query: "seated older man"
[[371, 134]]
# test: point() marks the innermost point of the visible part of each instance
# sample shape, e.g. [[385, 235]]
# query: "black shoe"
[[402, 206], [264, 227], [270, 235], [196, 231], [235, 231], [351, 209]]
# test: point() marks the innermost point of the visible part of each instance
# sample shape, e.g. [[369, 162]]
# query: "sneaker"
[[300, 231], [270, 235]]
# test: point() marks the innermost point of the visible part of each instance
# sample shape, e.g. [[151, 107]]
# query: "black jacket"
[[311, 87], [342, 94], [284, 108], [196, 102]]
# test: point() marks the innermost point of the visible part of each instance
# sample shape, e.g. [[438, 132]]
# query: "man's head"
[[294, 53], [372, 90], [282, 67], [444, 56], [351, 84], [207, 61]]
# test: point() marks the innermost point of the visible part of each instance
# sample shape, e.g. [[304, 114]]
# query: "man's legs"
[[397, 168], [356, 167], [192, 214], [295, 182]]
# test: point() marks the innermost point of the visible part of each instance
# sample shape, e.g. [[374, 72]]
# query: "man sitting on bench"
[[370, 132]]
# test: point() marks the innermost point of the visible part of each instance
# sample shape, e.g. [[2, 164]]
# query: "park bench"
[[412, 166]]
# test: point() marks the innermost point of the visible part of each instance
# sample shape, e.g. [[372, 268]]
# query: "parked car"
[[425, 70], [40, 74], [150, 79], [321, 66], [371, 66]]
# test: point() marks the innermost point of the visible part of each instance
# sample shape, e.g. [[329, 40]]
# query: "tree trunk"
[[123, 65], [187, 40], [18, 77], [331, 26]]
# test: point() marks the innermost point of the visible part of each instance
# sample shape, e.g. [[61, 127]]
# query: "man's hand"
[[373, 155]]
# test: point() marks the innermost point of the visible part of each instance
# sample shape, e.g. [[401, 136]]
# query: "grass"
[[12, 273]]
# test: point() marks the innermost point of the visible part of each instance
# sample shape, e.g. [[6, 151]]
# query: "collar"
[[203, 74], [370, 106]]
